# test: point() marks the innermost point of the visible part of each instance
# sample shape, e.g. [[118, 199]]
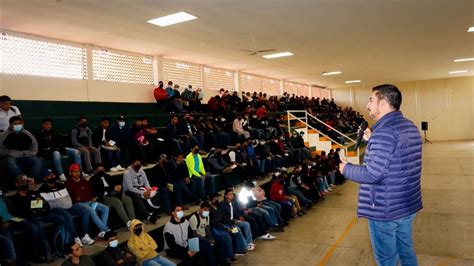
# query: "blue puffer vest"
[[390, 176]]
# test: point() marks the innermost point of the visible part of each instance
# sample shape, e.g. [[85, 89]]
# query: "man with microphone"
[[389, 193]]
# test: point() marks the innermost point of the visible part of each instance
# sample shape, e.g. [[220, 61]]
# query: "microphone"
[[363, 126]]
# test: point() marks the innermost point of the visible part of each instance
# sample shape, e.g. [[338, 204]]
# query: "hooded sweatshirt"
[[133, 181], [176, 235], [142, 246]]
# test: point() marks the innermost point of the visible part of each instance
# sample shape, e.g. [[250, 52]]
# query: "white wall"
[[446, 104]]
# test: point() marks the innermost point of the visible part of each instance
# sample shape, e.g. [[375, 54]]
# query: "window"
[[315, 92], [303, 90], [250, 83], [115, 67], [182, 73], [271, 86], [290, 88], [23, 56], [217, 78], [326, 93]]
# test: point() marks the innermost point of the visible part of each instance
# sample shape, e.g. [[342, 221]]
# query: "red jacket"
[[261, 112], [79, 191], [160, 94], [276, 192]]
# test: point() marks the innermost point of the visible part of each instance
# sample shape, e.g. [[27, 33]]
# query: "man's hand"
[[191, 253], [187, 180], [118, 188], [367, 134], [241, 219], [147, 194], [342, 165]]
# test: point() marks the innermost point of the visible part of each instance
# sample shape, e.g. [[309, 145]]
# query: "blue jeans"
[[158, 260], [393, 240], [165, 199], [68, 222], [100, 222], [246, 231], [6, 245], [71, 153], [15, 164], [268, 204], [224, 243], [268, 215], [180, 188], [198, 184]]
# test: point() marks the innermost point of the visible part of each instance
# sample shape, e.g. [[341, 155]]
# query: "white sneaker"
[[250, 247], [87, 240], [63, 178], [326, 191], [101, 234], [330, 189], [120, 168], [267, 237], [78, 241], [129, 223], [85, 174], [113, 169]]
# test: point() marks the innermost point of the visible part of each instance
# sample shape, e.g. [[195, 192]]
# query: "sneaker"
[[113, 169], [129, 223], [62, 177], [267, 237], [120, 168], [101, 234], [87, 240], [78, 241], [152, 218], [240, 253], [251, 247], [84, 174]]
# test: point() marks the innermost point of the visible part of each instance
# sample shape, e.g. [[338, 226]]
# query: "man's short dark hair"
[[46, 119], [205, 204], [80, 118], [109, 235], [105, 118], [227, 190], [5, 98], [14, 119], [68, 247], [390, 93]]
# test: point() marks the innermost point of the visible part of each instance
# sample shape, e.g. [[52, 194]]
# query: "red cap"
[[73, 167]]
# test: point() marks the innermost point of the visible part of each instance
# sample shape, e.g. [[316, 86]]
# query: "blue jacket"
[[390, 176]]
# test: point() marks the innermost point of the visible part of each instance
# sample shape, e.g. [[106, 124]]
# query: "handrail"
[[340, 133], [320, 132]]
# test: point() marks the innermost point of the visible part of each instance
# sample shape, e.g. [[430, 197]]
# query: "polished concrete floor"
[[330, 235]]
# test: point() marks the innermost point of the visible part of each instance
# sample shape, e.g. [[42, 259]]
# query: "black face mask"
[[51, 180], [100, 173], [83, 125], [23, 187], [137, 167], [137, 231], [196, 151]]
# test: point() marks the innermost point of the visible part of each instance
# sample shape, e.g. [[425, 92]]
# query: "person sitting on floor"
[[115, 254], [76, 257]]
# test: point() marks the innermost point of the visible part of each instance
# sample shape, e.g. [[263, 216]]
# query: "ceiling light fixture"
[[471, 29], [331, 73], [277, 55], [458, 72], [172, 19], [352, 81], [463, 60]]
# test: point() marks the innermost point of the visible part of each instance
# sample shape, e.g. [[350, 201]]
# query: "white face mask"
[[121, 124], [254, 183], [113, 243], [180, 214], [277, 173], [262, 143], [313, 164], [309, 166], [205, 214]]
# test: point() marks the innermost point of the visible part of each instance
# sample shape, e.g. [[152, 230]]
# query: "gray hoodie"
[[133, 181], [32, 150]]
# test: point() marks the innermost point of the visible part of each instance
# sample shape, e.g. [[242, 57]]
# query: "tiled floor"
[[443, 230]]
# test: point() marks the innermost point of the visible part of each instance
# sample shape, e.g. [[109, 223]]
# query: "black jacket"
[[48, 142], [99, 189]]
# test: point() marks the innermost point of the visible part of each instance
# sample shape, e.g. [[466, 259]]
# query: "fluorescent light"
[[457, 71], [471, 29], [464, 60], [270, 56], [352, 81], [332, 73], [172, 19]]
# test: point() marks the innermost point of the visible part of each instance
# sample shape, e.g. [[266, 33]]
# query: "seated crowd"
[[240, 141]]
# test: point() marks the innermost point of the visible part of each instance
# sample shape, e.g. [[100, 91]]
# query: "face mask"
[[282, 138], [1, 193], [23, 187], [121, 124], [17, 128], [196, 151], [276, 141], [254, 183], [113, 243], [51, 180], [137, 231], [309, 166], [262, 143], [100, 173], [277, 173], [83, 125], [137, 167], [205, 214], [215, 202], [254, 116], [313, 164], [180, 214]]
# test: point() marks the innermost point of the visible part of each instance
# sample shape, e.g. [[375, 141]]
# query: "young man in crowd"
[[7, 111], [143, 246], [76, 257], [200, 226], [108, 191], [201, 180], [115, 254], [20, 147], [81, 139], [102, 140], [137, 187], [82, 196]]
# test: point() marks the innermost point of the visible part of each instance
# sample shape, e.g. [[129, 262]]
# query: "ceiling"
[[376, 41]]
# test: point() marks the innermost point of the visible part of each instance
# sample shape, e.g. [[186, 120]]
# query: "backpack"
[[160, 94], [198, 218]]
